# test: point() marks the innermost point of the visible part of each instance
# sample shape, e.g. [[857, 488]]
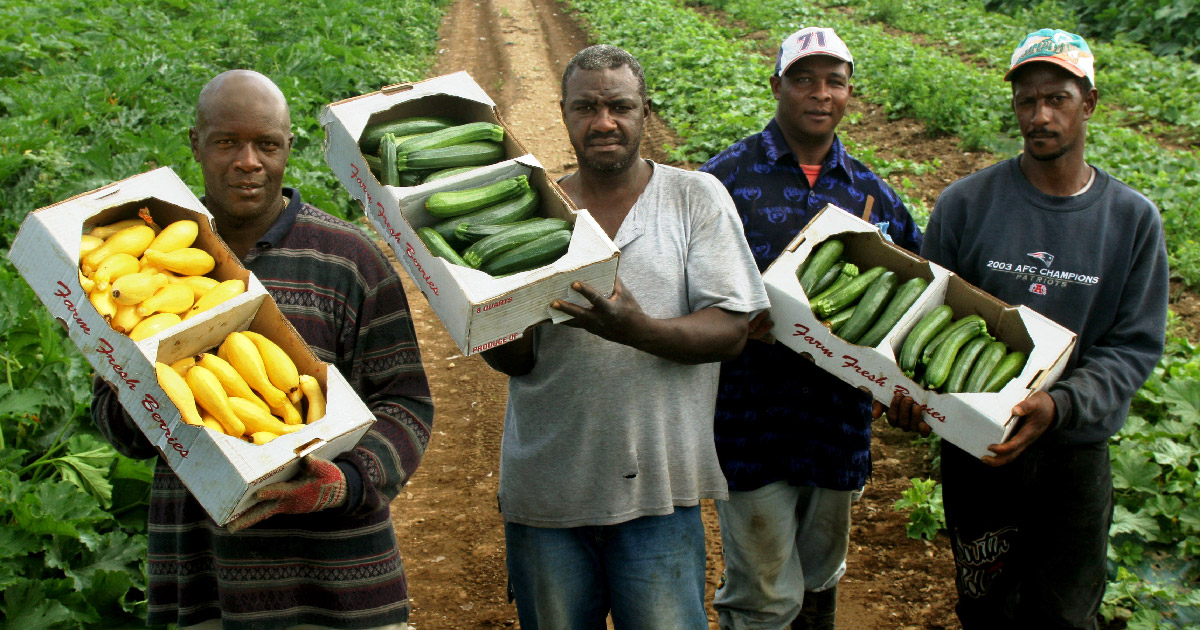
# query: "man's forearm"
[[708, 335]]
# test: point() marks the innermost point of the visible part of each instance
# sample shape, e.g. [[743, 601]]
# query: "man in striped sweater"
[[321, 554]]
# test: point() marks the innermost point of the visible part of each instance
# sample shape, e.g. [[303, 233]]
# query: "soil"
[[446, 519]]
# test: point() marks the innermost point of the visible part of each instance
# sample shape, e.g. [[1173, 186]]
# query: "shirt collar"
[[776, 147], [276, 233]]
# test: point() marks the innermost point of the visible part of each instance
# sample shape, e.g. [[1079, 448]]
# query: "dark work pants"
[[1029, 538]]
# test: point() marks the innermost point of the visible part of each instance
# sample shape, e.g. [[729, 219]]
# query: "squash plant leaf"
[[1133, 470], [1126, 522], [27, 606], [1183, 399], [87, 466]]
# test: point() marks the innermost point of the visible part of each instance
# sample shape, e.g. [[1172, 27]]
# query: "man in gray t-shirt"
[[608, 445]]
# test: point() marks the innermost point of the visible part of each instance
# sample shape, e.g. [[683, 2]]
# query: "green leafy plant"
[[923, 502], [72, 510]]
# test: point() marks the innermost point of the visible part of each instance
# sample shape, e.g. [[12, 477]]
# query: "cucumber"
[[929, 326], [839, 319], [903, 300], [471, 232], [409, 178], [451, 203], [831, 276], [447, 172], [510, 211], [984, 364], [1006, 370], [869, 306], [931, 347], [389, 176], [368, 143], [438, 246], [848, 294], [536, 253], [451, 136], [469, 154], [939, 366], [818, 262], [848, 273], [963, 362], [487, 248]]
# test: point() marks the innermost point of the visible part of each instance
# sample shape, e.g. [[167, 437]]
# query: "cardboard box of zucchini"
[[483, 232], [887, 321]]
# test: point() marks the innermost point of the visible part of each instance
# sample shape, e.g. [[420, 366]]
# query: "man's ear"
[[194, 142], [1089, 103], [775, 82]]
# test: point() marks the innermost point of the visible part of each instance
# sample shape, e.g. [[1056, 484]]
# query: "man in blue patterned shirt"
[[793, 440]]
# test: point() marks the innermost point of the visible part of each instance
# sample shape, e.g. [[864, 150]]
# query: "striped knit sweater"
[[340, 567]]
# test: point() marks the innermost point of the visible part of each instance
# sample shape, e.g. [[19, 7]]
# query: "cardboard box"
[[969, 421], [222, 472], [480, 312]]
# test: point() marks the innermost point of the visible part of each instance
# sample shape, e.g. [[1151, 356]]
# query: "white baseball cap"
[[812, 40]]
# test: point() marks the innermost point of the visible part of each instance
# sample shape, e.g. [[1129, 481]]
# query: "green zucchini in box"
[[958, 356], [368, 142], [516, 209], [451, 203]]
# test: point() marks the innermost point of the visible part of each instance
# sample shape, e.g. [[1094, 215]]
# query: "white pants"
[[215, 624], [779, 541]]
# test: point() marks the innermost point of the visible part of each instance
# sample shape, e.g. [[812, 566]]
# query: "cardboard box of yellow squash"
[[222, 471]]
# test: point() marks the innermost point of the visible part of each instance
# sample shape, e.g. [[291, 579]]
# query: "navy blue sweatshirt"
[[1095, 263]]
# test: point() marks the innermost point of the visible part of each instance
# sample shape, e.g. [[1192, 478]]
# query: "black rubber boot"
[[819, 611]]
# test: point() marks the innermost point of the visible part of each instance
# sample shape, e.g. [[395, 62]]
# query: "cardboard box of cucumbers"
[[889, 322], [484, 233]]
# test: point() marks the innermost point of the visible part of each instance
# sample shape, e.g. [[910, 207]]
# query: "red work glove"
[[319, 485]]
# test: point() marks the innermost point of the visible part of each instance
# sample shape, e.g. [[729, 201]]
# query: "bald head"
[[242, 90]]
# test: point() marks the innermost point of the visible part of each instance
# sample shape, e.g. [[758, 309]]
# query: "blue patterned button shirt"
[[779, 417]]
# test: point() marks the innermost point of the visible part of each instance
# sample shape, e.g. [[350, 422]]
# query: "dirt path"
[[449, 529]]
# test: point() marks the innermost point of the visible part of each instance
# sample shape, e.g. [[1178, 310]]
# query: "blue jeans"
[[649, 572]]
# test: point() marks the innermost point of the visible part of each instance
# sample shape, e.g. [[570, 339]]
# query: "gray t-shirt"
[[599, 433]]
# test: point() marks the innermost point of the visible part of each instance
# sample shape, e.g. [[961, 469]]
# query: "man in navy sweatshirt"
[[1029, 523]]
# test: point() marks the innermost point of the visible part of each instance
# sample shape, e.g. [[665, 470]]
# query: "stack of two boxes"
[[971, 421], [221, 471]]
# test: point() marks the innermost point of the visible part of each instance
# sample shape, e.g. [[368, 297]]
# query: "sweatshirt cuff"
[[1062, 408], [354, 487]]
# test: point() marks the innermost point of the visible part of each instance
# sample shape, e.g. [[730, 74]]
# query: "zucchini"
[[849, 272], [471, 232], [438, 246], [963, 362], [536, 253], [869, 306], [447, 172], [831, 276], [838, 319], [373, 134], [938, 368], [903, 300], [373, 164], [984, 364], [451, 203], [510, 211], [469, 154], [1006, 370], [931, 347], [487, 248], [450, 136], [409, 178], [931, 324], [818, 262], [389, 176], [849, 293]]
